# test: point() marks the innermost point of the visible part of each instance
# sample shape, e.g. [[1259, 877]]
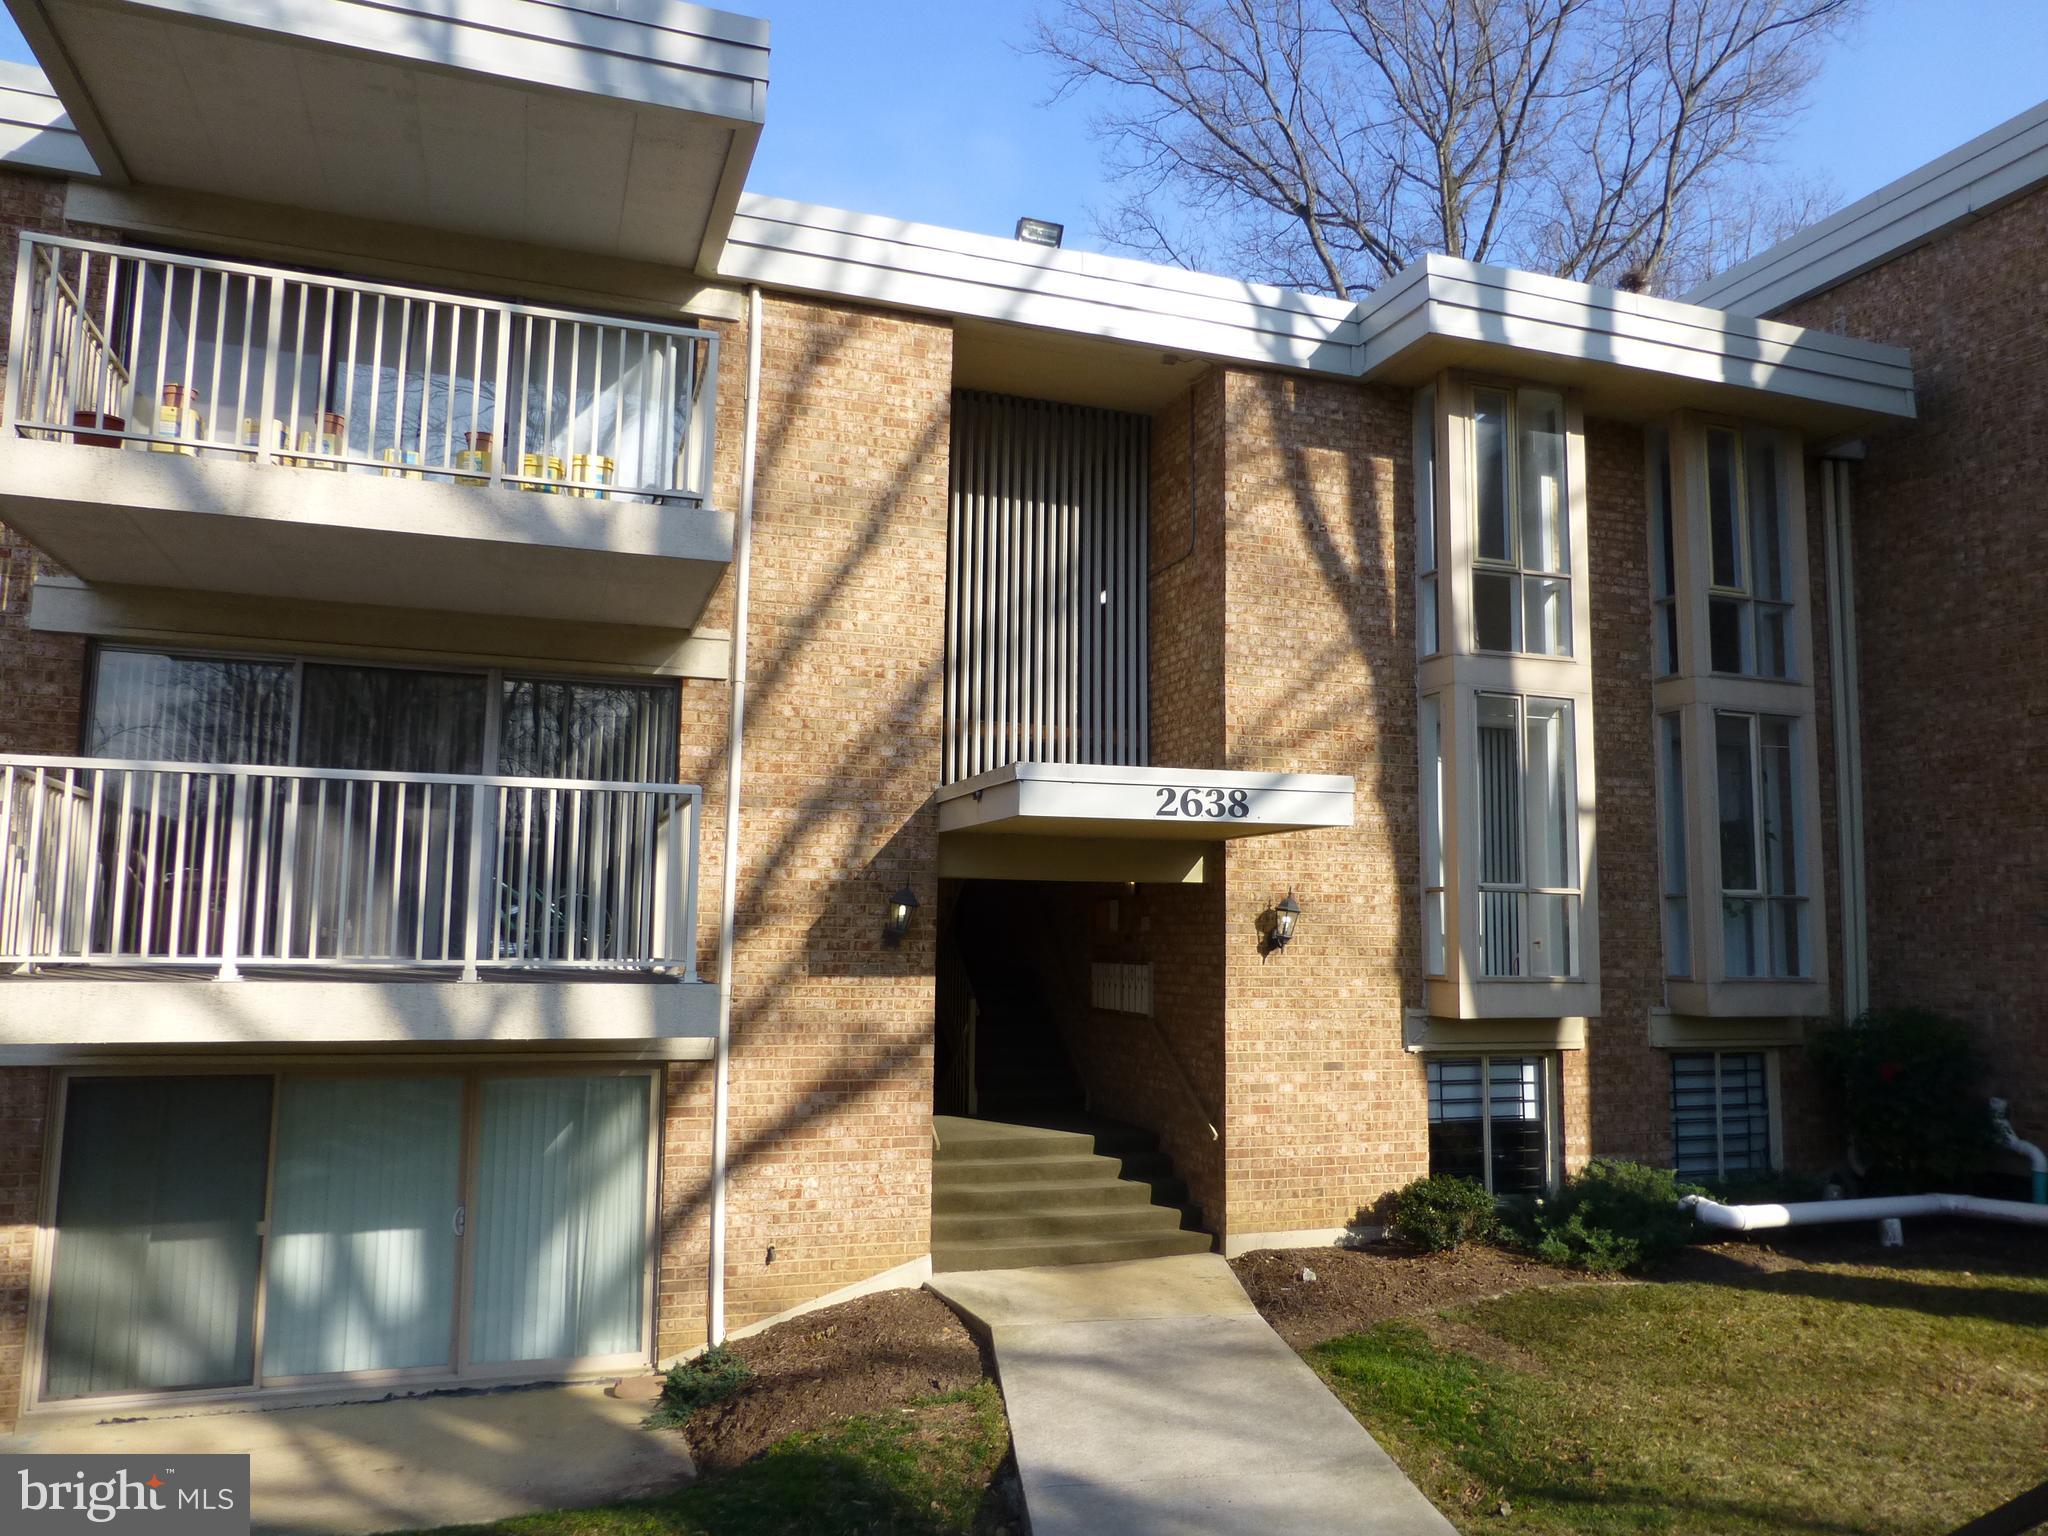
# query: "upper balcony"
[[173, 421]]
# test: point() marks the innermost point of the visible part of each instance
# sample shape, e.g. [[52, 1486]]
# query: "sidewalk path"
[[1149, 1397]]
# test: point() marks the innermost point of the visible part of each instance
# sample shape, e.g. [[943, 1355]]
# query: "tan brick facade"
[[1950, 543]]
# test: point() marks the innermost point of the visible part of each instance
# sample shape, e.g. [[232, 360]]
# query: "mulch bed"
[[1354, 1288], [861, 1357]]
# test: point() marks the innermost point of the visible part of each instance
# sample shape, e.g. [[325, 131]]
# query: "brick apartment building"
[[1474, 728]]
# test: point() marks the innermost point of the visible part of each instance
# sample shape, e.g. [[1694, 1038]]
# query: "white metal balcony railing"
[[203, 866], [117, 347]]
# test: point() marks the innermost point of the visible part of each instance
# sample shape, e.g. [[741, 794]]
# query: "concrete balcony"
[[166, 906], [216, 426]]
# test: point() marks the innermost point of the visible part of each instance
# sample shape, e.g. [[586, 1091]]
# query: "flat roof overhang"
[[1083, 821], [163, 520], [1632, 357], [618, 126]]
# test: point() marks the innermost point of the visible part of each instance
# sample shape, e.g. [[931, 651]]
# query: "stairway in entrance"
[[1010, 1196]]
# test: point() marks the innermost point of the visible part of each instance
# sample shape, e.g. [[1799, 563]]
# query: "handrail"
[[125, 346], [138, 863]]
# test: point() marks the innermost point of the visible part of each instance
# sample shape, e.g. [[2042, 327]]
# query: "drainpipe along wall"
[[743, 539]]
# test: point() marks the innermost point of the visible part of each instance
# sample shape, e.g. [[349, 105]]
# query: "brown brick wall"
[[1325, 1109], [1950, 544], [830, 1137], [24, 1105]]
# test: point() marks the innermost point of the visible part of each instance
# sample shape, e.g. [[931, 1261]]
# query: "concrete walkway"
[[1150, 1397], [408, 1464]]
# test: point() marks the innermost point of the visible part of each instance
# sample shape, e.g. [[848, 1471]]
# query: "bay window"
[[1733, 722], [1504, 684]]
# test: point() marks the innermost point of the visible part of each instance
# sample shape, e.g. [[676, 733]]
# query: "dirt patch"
[[861, 1357], [1354, 1288]]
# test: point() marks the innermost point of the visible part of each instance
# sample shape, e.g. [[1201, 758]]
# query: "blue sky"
[[926, 110]]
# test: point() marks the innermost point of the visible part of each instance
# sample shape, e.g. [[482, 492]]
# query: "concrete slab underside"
[[1150, 1397], [409, 1464]]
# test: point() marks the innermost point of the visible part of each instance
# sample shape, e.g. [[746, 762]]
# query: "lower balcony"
[[164, 905]]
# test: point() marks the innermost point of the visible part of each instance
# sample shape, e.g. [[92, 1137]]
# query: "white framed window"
[[1721, 1114], [1749, 594], [1528, 837], [1432, 815], [1490, 1120], [1663, 559], [1427, 637], [1677, 904], [1757, 807], [1521, 536]]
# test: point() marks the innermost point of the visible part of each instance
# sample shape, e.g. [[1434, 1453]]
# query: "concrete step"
[[1054, 1221], [967, 1173], [1032, 1194], [990, 1140], [986, 1254]]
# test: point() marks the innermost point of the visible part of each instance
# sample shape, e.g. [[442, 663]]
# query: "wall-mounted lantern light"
[[1285, 915], [901, 905]]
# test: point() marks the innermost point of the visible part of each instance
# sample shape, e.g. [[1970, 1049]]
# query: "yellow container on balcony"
[[534, 466], [330, 442], [254, 442], [398, 456], [473, 463], [591, 470], [177, 417]]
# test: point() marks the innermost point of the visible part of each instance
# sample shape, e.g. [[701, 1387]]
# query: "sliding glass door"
[[442, 1222], [159, 1221], [363, 1225], [561, 1219]]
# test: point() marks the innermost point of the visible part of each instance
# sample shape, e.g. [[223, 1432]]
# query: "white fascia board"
[[1085, 799], [1440, 297], [805, 248], [647, 52], [1963, 184], [35, 131]]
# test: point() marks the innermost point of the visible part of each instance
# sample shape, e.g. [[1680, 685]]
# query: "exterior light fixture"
[[1285, 915], [901, 905], [1041, 232]]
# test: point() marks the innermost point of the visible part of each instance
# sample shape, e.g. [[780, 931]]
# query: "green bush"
[[1613, 1216], [1907, 1082], [692, 1384], [1442, 1211]]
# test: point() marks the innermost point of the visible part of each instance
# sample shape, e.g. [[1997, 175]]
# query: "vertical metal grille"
[[1045, 593]]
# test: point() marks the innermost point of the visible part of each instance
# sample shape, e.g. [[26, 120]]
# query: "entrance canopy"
[[1082, 821]]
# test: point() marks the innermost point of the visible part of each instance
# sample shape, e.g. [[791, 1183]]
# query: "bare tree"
[[1328, 143]]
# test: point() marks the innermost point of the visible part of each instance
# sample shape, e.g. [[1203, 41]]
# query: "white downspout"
[[1848, 722], [728, 895]]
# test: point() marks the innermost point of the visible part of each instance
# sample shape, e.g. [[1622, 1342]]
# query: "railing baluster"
[[473, 881], [448, 878], [501, 435], [178, 868], [314, 909], [273, 350], [687, 863], [367, 917], [525, 869], [238, 856], [572, 948], [288, 871], [340, 947], [92, 883], [391, 944], [206, 865], [419, 905], [34, 861]]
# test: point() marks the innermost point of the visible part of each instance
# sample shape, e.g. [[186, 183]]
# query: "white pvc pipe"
[[728, 874], [1807, 1213], [2010, 1140]]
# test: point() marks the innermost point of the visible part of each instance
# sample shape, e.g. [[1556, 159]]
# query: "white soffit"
[[1963, 184], [35, 132], [1086, 800], [619, 126]]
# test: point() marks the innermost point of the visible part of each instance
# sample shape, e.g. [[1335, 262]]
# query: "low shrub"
[[1443, 1211], [1611, 1217], [692, 1384], [1907, 1084]]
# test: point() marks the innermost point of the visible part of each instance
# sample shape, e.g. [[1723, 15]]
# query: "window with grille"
[[1721, 1114], [1489, 1121]]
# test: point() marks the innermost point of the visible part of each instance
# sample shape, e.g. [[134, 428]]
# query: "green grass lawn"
[[1829, 1398], [918, 1471]]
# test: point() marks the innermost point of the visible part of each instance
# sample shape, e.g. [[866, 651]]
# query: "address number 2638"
[[1202, 803]]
